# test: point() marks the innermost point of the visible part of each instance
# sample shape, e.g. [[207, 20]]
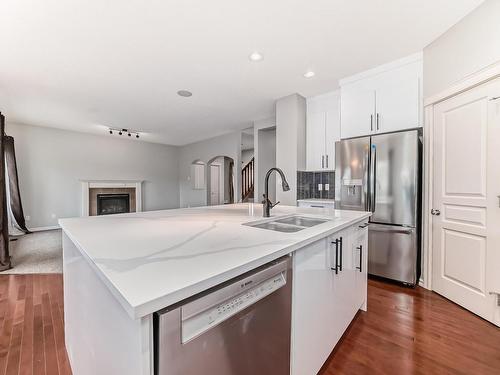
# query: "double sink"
[[289, 224]]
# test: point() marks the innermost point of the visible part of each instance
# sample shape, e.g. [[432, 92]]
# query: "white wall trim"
[[427, 199], [475, 79], [382, 68], [88, 184]]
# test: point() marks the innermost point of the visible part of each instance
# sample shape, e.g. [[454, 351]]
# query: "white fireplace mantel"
[[88, 184]]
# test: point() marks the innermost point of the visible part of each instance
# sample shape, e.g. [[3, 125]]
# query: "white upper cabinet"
[[315, 141], [357, 109], [381, 100], [398, 98], [322, 130]]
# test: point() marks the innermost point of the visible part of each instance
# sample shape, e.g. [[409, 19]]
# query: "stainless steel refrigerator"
[[382, 174]]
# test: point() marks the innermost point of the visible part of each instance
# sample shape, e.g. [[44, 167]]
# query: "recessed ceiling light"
[[184, 93], [309, 74], [255, 56]]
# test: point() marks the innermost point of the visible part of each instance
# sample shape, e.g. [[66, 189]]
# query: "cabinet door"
[[315, 141], [343, 283], [332, 135], [359, 250], [313, 309], [398, 98], [357, 109]]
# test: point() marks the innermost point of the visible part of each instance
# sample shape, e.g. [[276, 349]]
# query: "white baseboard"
[[41, 229], [423, 284]]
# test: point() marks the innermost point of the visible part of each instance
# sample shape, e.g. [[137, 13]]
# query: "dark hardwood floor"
[[31, 317], [415, 331], [405, 331]]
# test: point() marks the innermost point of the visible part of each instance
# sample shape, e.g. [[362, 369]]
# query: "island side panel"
[[101, 338]]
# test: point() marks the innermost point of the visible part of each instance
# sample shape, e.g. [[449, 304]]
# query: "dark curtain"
[[4, 225], [231, 182], [15, 195]]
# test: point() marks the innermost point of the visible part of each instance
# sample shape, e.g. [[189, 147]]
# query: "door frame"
[[465, 84]]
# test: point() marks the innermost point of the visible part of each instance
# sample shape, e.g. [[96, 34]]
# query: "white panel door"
[[398, 98], [315, 141], [214, 184], [466, 183], [357, 109]]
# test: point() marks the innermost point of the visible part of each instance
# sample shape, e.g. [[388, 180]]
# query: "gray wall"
[[51, 162], [466, 48], [224, 145]]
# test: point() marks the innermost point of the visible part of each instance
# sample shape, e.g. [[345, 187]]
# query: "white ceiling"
[[86, 64]]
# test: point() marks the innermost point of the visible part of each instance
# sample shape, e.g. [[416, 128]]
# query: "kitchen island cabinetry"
[[328, 290], [121, 271]]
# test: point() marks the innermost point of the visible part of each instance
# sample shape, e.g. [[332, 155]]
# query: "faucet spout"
[[267, 204]]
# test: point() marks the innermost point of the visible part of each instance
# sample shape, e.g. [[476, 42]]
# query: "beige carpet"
[[39, 252]]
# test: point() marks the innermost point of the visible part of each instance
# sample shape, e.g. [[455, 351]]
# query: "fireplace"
[[108, 204], [112, 197]]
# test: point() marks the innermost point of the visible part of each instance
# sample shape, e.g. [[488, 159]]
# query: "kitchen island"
[[121, 269]]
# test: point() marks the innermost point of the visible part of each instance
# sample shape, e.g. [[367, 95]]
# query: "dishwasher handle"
[[234, 287]]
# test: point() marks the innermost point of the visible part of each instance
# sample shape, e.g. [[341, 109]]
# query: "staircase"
[[247, 184]]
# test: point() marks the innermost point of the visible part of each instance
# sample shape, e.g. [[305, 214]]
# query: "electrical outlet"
[[327, 187], [27, 218]]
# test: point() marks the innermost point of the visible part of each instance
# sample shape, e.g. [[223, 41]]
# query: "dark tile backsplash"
[[307, 185]]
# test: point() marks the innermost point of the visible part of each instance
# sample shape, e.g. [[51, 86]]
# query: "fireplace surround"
[[104, 197]]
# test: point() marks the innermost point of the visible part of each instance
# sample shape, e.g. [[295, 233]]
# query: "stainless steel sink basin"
[[302, 221], [273, 225], [289, 224]]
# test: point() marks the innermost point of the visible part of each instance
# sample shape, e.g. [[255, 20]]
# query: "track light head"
[[129, 134], [120, 133], [110, 131], [137, 135]]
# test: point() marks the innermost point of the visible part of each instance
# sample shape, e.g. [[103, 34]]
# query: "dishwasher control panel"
[[194, 326]]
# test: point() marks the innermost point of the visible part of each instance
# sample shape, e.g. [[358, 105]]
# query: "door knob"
[[435, 212]]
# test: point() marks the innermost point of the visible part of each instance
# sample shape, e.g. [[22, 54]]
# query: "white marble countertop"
[[151, 260]]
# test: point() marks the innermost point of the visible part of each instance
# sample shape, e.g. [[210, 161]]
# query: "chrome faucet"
[[266, 203]]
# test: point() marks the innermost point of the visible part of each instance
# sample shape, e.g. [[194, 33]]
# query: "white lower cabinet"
[[359, 249], [327, 288]]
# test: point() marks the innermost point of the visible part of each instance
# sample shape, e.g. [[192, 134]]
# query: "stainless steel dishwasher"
[[241, 327]]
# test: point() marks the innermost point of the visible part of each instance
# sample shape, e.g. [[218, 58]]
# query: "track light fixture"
[[129, 132]]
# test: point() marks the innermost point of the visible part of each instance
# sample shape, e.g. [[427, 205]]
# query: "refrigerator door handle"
[[393, 229], [373, 178]]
